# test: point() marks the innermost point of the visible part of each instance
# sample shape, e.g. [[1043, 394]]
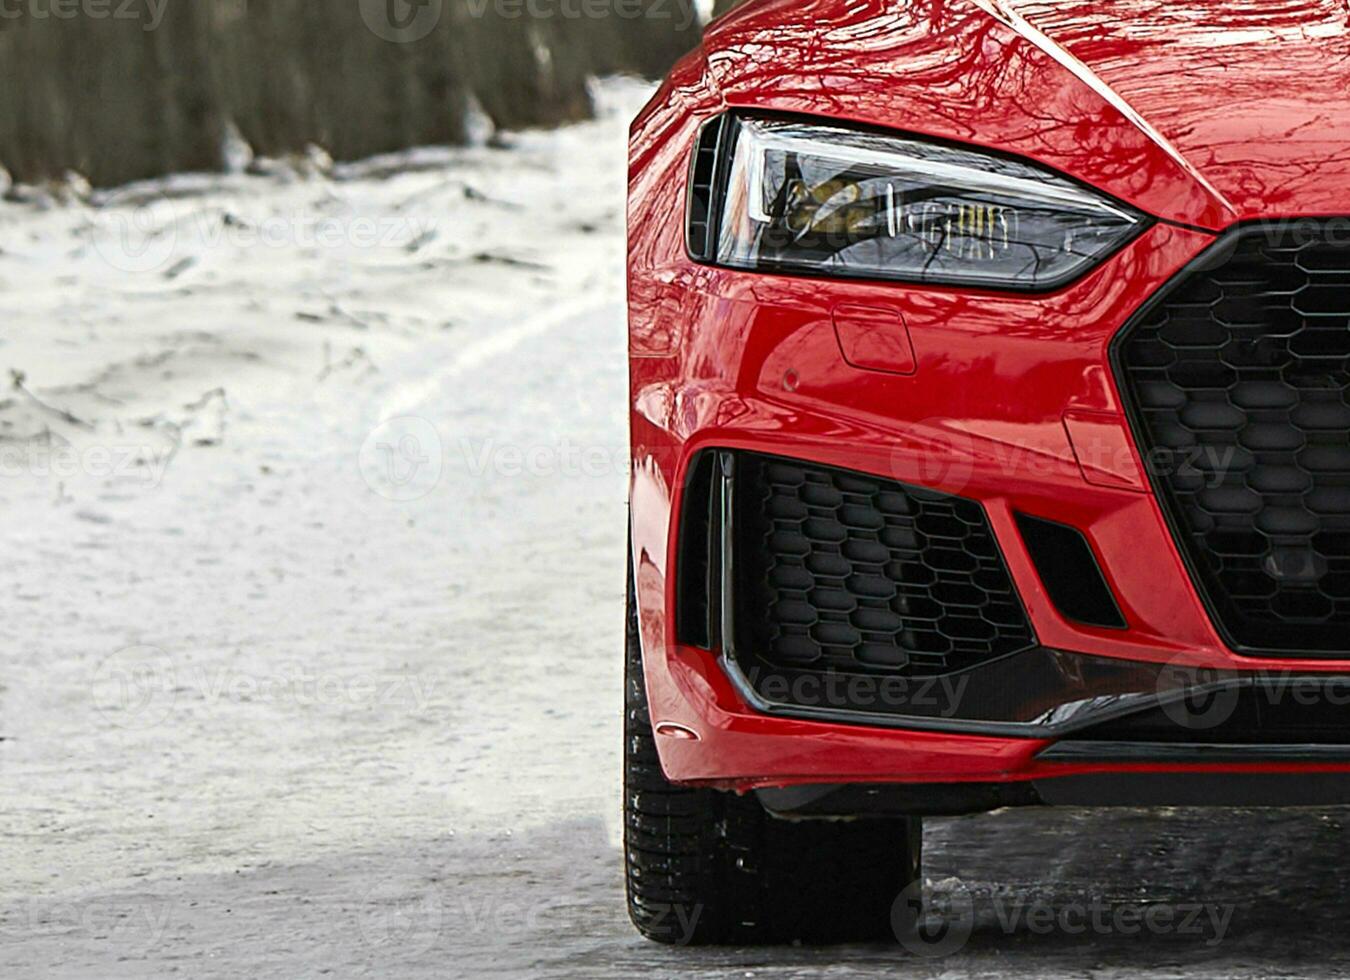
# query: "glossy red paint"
[[1199, 114]]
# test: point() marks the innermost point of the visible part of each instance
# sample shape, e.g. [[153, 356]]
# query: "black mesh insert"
[[1070, 573], [1237, 381], [838, 571], [700, 220], [696, 578]]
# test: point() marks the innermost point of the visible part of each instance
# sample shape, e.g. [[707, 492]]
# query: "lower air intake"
[[841, 572]]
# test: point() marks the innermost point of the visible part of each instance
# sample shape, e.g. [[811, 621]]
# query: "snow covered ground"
[[252, 622], [313, 489]]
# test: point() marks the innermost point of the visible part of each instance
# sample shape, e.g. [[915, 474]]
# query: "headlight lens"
[[813, 199]]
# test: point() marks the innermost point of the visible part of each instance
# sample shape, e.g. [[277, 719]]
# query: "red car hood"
[[1199, 111]]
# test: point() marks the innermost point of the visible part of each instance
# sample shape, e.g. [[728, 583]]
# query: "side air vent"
[[1070, 573], [698, 573], [700, 233]]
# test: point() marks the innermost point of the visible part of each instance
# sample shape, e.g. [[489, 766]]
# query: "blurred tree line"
[[127, 89]]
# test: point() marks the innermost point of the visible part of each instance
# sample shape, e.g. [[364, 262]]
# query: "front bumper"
[[1007, 401]]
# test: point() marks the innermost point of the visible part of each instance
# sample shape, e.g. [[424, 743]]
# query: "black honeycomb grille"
[[1238, 384], [843, 572]]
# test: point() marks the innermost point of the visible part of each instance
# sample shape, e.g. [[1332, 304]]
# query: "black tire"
[[709, 867]]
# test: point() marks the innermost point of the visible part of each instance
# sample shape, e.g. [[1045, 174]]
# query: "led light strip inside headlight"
[[812, 199]]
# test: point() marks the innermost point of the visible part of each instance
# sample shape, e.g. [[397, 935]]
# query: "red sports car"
[[990, 406]]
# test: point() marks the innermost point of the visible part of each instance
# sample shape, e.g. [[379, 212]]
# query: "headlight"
[[801, 198]]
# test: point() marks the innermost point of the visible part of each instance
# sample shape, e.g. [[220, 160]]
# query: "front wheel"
[[711, 867]]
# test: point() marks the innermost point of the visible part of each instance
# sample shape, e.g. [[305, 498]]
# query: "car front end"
[[990, 412]]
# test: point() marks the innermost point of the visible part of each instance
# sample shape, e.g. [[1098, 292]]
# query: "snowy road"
[[312, 609]]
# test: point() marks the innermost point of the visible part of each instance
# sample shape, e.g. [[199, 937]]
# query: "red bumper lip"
[[743, 747]]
